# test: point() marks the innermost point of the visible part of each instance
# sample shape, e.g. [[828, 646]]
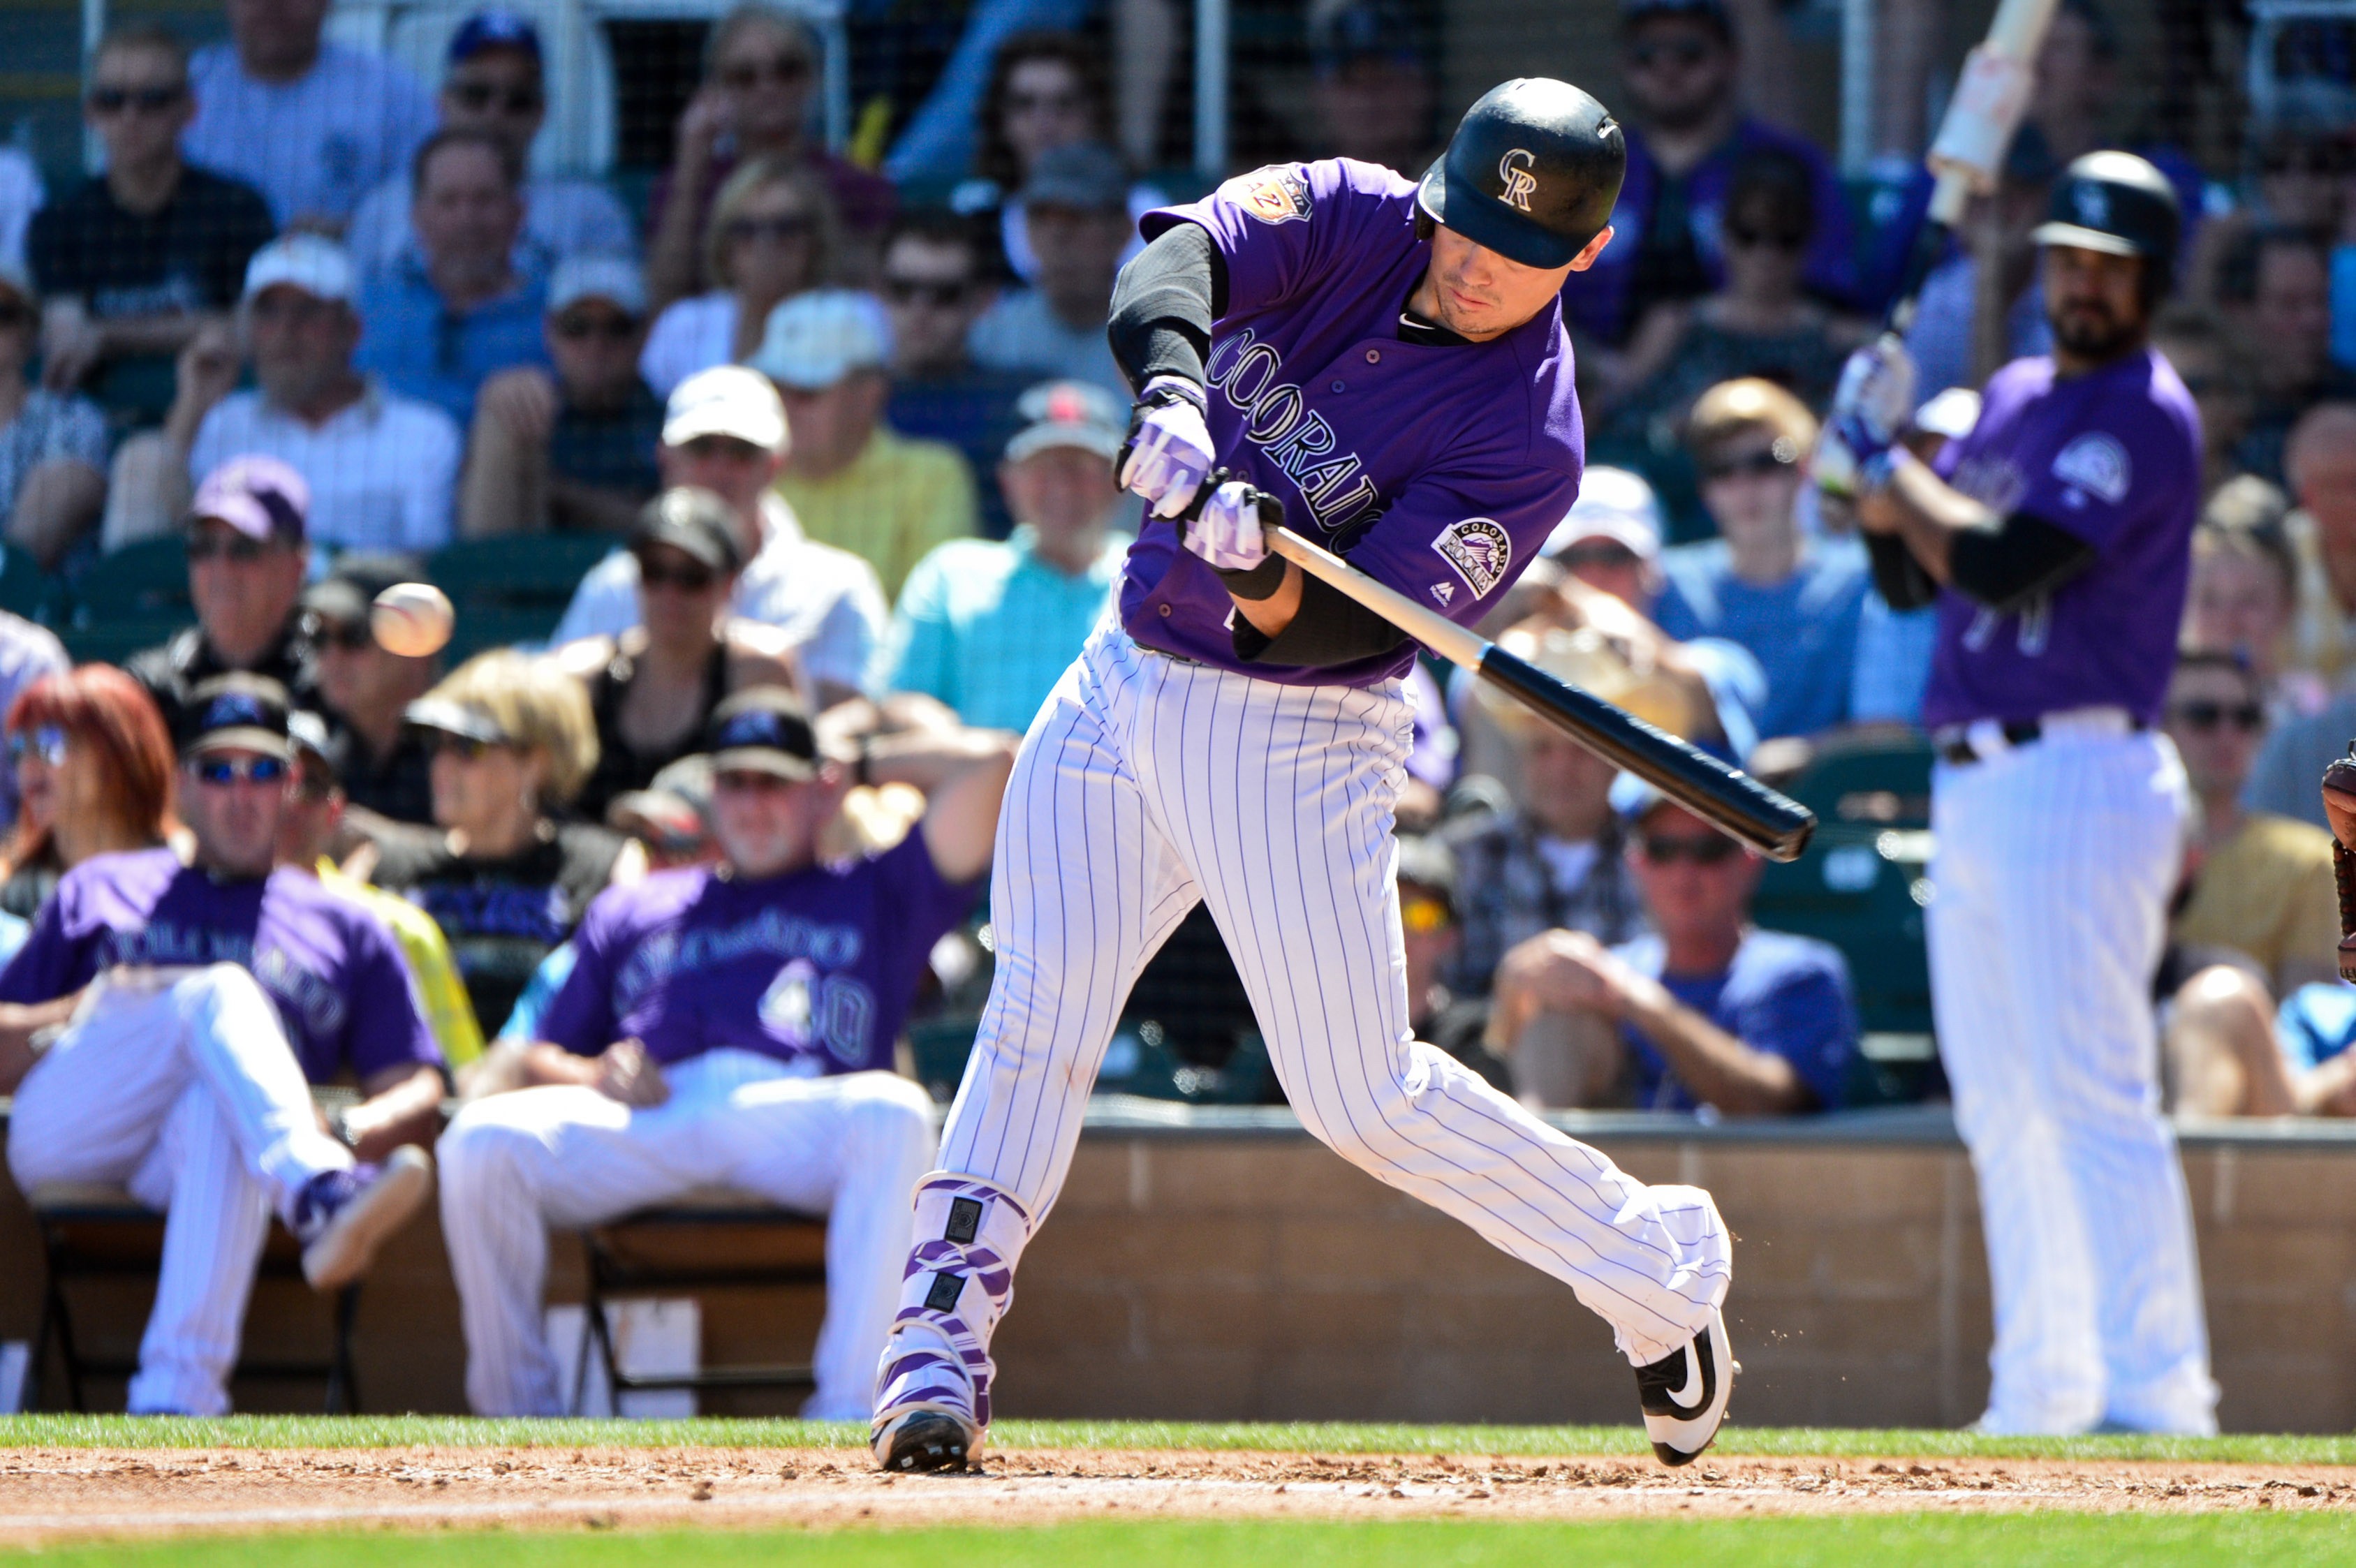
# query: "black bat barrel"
[[1769, 821]]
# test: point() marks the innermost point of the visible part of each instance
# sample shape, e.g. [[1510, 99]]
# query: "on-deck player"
[[1389, 361], [730, 1025], [2056, 537]]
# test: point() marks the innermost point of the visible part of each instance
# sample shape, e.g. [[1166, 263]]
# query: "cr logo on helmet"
[[1514, 168]]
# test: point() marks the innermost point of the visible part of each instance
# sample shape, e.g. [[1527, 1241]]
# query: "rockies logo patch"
[[2096, 463], [1278, 193], [1480, 551]]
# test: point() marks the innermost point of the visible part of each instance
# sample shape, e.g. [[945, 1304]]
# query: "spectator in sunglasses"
[[90, 764], [139, 256], [1706, 1009], [1687, 134], [573, 451], [2274, 289], [2321, 458], [1792, 602], [760, 75], [1075, 206], [936, 283], [248, 547], [774, 233], [493, 83], [509, 874], [651, 687], [380, 762], [379, 467]]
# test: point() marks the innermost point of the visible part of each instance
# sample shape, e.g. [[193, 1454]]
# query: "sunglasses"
[[146, 100], [720, 448], [749, 781], [15, 314], [465, 748], [1421, 917], [784, 71], [913, 291], [1687, 52], [46, 742], [352, 637], [479, 96], [1767, 460], [1032, 102], [237, 548], [689, 579], [1663, 849], [2249, 718], [1597, 555], [1763, 239], [582, 329], [779, 230], [219, 773]]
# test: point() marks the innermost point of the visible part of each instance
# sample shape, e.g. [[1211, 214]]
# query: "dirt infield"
[[49, 1495]]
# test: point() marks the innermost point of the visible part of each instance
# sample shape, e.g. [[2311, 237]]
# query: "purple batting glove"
[[1168, 449], [1226, 533]]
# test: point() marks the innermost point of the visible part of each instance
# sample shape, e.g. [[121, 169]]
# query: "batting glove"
[[1868, 409], [1168, 449]]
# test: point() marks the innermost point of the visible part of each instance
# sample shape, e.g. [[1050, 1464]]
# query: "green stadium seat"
[[26, 589], [512, 589], [143, 581]]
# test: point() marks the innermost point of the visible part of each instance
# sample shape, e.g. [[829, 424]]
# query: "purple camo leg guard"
[[959, 1280]]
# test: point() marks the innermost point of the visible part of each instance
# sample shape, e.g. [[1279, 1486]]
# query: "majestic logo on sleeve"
[[1276, 194], [1514, 168], [1480, 551], [2098, 465]]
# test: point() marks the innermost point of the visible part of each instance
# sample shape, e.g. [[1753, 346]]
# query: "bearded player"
[[2055, 539], [1386, 361]]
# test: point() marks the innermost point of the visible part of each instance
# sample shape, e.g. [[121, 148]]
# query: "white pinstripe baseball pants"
[[2052, 866], [1148, 783]]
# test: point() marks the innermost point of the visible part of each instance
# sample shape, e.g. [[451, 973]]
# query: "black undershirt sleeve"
[[1163, 305], [1328, 629], [1903, 584], [2006, 566]]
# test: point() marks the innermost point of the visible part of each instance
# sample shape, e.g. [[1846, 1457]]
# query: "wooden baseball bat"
[[1729, 799]]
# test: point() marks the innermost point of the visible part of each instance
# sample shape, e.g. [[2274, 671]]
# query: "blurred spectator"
[[27, 654], [1047, 90], [510, 877], [1758, 324], [989, 627], [2275, 291], [670, 819], [1893, 646], [456, 310], [22, 194], [247, 551], [1794, 602], [90, 764], [2193, 339], [1373, 90], [313, 125], [1686, 132], [1429, 933], [2319, 460], [138, 257], [760, 70], [493, 84], [1076, 214], [934, 287], [725, 430], [2245, 588], [855, 481], [1982, 306], [1611, 538], [52, 444], [310, 823], [379, 467], [575, 451], [772, 234], [1707, 1010], [380, 761], [651, 689]]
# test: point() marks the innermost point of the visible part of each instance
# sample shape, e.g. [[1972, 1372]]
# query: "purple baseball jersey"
[[1439, 469], [817, 966], [334, 970], [2113, 457]]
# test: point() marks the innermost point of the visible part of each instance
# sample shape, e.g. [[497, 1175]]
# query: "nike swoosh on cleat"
[[1690, 1395]]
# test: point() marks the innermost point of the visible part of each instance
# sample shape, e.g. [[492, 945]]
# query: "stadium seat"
[[512, 589], [26, 589], [143, 581]]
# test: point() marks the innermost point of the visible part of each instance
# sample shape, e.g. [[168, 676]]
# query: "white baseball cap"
[[316, 265], [727, 399], [813, 340], [1069, 413], [617, 279], [1613, 504]]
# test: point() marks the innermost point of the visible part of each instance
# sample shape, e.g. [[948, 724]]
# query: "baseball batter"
[[2056, 539], [1388, 360]]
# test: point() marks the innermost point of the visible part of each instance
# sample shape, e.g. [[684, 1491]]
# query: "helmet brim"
[[2081, 238], [1489, 223]]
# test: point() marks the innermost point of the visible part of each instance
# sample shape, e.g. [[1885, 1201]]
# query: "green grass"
[[395, 1431], [2081, 1540]]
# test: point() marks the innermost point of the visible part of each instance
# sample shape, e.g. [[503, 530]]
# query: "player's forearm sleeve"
[[1164, 304], [2009, 565], [1328, 629], [1903, 584]]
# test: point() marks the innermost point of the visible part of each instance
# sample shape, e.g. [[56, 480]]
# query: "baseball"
[[412, 619]]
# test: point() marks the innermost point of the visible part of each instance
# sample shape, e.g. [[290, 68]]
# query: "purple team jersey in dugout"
[[334, 970], [2113, 457], [1439, 469], [815, 968]]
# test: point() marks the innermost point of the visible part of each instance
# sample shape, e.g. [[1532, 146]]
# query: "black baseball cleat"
[[1685, 1393], [926, 1440]]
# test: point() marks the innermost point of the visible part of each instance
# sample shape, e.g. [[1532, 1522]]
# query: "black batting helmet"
[[2116, 202], [1531, 172]]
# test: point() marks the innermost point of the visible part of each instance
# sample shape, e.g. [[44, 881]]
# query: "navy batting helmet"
[[2118, 203], [1531, 172]]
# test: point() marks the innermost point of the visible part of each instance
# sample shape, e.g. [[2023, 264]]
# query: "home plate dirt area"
[[51, 1495]]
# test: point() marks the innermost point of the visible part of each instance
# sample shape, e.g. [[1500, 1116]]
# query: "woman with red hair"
[[94, 768]]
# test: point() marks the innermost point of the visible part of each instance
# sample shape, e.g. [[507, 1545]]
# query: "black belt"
[[2016, 731]]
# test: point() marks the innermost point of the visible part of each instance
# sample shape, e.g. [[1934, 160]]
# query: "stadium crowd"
[[849, 426]]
